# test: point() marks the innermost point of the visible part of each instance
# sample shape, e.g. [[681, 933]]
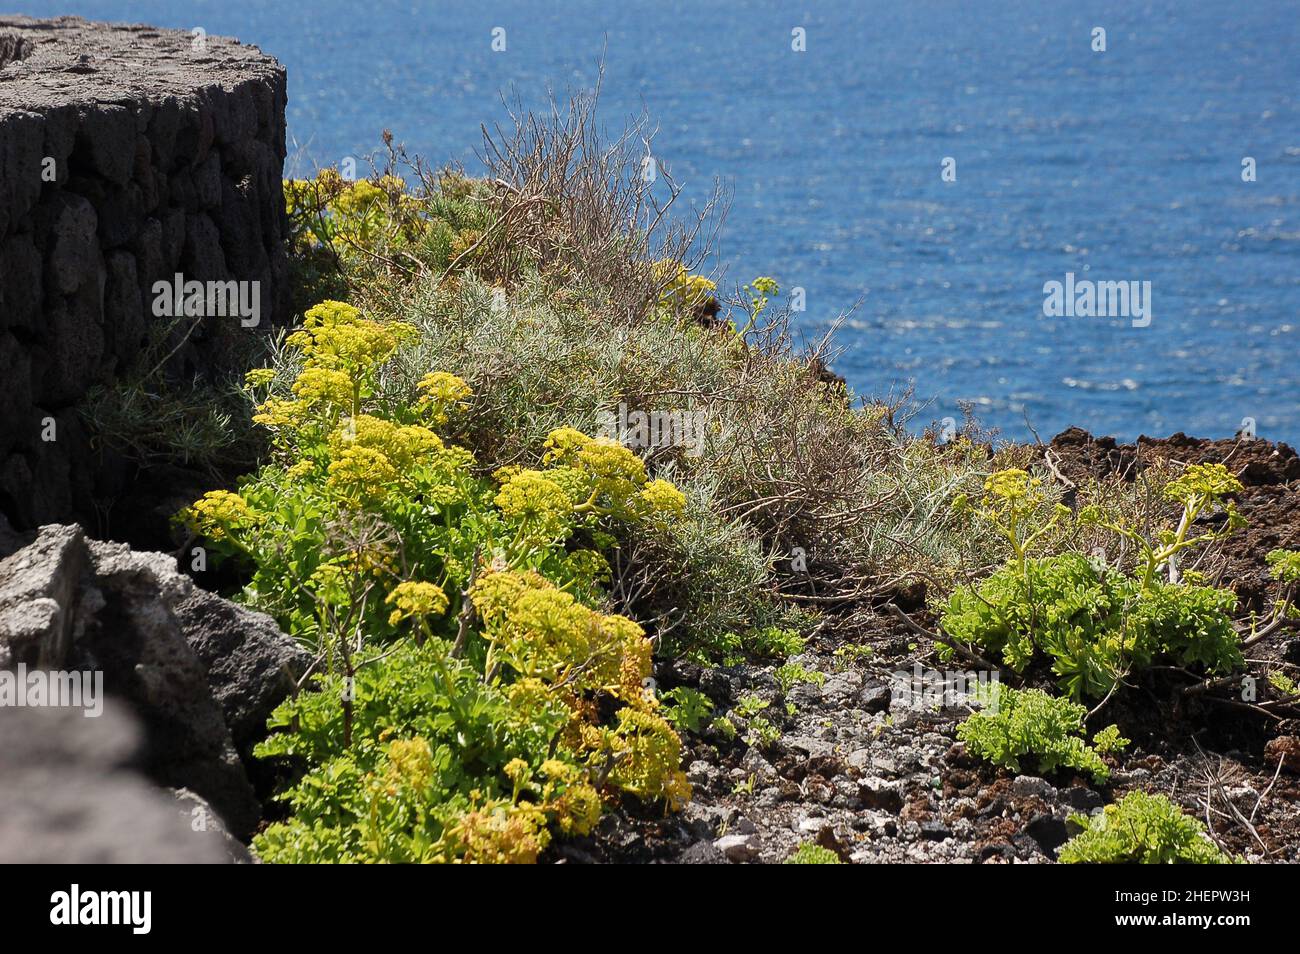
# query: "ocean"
[[927, 167]]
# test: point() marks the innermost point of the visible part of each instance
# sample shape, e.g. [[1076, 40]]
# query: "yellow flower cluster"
[[372, 458], [341, 351], [648, 758], [760, 291], [1010, 484], [681, 289], [344, 214], [361, 474], [584, 475], [415, 600], [603, 467], [277, 412], [500, 834], [600, 457], [360, 197], [405, 446], [515, 831], [1203, 481], [440, 393], [564, 651], [409, 767], [299, 196], [588, 564], [550, 636], [335, 336], [574, 804], [661, 497], [538, 504], [323, 386], [218, 513], [1012, 504]]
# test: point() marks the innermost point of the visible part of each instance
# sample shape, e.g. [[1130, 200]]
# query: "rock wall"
[[128, 155]]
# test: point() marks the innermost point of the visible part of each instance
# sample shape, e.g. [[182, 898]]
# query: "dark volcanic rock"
[[252, 666], [128, 154]]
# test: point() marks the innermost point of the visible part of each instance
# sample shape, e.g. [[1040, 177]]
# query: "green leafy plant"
[[1109, 741], [809, 853], [762, 731], [1093, 624], [725, 728], [745, 787], [1284, 565], [851, 653], [1282, 683], [373, 542], [791, 674], [1029, 729], [687, 708], [1141, 829], [773, 642]]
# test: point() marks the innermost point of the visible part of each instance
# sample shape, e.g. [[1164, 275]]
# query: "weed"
[[809, 853], [1141, 829], [1029, 728]]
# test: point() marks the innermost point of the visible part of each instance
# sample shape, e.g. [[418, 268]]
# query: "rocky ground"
[[862, 772], [850, 763]]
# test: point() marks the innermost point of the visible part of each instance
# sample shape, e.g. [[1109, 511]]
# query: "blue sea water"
[[1116, 165]]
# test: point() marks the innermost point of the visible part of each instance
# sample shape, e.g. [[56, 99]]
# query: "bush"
[[472, 690], [494, 273], [1093, 624], [1141, 829], [441, 767], [1019, 725]]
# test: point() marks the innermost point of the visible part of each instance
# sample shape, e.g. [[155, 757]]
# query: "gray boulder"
[[252, 666], [70, 796], [200, 673], [135, 639]]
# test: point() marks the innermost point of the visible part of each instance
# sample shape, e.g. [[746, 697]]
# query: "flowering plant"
[[376, 544]]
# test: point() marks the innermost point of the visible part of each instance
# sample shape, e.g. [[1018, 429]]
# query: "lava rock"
[[1048, 832], [738, 848], [251, 665], [72, 604], [875, 698], [880, 795]]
